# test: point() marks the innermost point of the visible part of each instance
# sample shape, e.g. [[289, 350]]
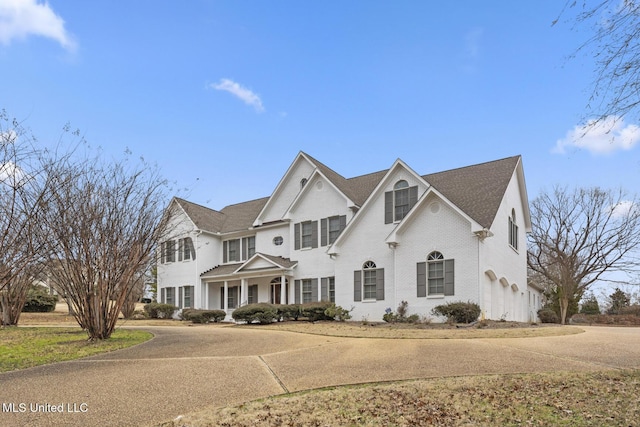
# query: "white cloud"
[[11, 173], [244, 94], [623, 209], [601, 137], [22, 18]]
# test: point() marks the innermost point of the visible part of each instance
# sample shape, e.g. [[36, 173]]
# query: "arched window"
[[369, 280], [435, 272], [513, 230], [401, 199]]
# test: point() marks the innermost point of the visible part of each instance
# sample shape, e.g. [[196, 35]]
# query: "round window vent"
[[435, 207], [278, 240]]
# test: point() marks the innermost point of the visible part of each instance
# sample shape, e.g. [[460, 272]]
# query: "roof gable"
[[478, 189]]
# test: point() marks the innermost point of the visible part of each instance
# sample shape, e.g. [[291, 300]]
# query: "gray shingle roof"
[[477, 190]]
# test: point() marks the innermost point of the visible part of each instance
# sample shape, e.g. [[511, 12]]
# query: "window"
[[253, 294], [306, 234], [186, 251], [238, 249], [303, 182], [436, 276], [307, 291], [328, 289], [188, 295], [232, 299], [278, 240], [168, 251], [170, 295], [330, 228], [398, 203], [248, 247], [368, 283], [435, 264], [513, 230]]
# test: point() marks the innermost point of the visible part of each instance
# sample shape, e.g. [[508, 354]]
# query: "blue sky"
[[223, 94]]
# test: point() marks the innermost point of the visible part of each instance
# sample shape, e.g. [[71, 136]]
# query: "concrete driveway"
[[188, 368]]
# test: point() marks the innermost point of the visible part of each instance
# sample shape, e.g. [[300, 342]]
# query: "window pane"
[[307, 292], [233, 253], [369, 284], [401, 203], [306, 231]]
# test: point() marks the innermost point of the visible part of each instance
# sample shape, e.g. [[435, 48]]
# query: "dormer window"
[[398, 203]]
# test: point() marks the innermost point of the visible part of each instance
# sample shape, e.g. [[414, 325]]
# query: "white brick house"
[[367, 242]]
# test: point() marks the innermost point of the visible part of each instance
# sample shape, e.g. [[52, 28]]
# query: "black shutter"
[[421, 279], [323, 232], [314, 234], [180, 249], [222, 298], [380, 284], [245, 242], [314, 290], [448, 277], [357, 287], [413, 196], [343, 222], [225, 247], [297, 290], [296, 235], [324, 289], [388, 207]]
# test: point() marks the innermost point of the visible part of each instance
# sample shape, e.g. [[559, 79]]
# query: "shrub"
[[547, 315], [140, 315], [261, 312], [203, 316], [335, 312], [158, 310], [39, 300], [314, 311], [459, 312], [633, 310], [590, 305], [288, 311], [400, 315]]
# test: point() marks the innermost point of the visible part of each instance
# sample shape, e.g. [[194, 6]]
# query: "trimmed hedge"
[[39, 301], [315, 311], [261, 312], [459, 312], [288, 311], [547, 315], [158, 310], [203, 316]]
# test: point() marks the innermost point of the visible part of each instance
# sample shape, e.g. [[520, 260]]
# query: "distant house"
[[367, 242]]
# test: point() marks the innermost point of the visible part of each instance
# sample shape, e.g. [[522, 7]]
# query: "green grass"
[[22, 348]]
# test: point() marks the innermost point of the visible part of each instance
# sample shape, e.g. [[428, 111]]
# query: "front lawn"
[[26, 347]]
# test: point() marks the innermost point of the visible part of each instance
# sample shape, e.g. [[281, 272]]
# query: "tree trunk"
[[564, 307]]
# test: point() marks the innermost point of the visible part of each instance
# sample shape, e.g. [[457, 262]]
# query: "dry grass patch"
[[432, 331], [607, 398]]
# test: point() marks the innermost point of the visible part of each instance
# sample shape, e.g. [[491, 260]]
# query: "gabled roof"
[[478, 189], [231, 218], [276, 263]]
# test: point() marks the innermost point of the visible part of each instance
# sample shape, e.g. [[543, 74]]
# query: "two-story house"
[[366, 243]]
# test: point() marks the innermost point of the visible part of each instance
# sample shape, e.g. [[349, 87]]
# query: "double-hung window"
[[186, 251], [398, 203], [330, 228], [513, 230], [168, 251], [368, 283], [435, 277], [305, 235], [307, 290]]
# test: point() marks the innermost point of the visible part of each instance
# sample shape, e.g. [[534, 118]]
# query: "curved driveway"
[[184, 369]]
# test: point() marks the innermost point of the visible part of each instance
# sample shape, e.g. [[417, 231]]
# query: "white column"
[[226, 296], [283, 289], [205, 303], [243, 291]]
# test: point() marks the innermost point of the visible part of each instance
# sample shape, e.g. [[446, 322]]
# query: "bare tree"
[[614, 41], [23, 190], [578, 236], [104, 219]]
